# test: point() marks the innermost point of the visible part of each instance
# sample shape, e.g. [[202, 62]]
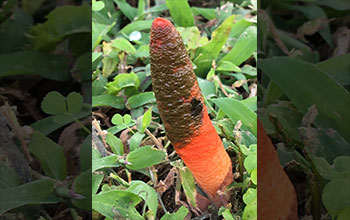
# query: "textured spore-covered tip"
[[175, 84], [161, 23]]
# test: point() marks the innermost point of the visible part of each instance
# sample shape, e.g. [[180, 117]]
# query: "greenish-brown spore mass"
[[174, 82]]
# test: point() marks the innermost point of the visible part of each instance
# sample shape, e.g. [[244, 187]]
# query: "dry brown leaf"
[[342, 40], [163, 186]]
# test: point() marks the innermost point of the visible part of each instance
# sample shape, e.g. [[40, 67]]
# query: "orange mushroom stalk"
[[276, 194], [183, 112]]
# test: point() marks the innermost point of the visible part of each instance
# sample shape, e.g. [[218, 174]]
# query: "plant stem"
[[240, 165], [81, 124], [120, 180], [74, 214], [313, 180], [154, 139], [158, 195], [129, 129], [167, 145]]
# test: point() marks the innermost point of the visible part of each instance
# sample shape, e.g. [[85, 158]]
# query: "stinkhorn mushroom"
[[183, 112], [276, 194]]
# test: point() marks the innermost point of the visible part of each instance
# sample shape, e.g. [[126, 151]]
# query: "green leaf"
[[336, 4], [250, 198], [272, 93], [120, 127], [239, 27], [135, 141], [54, 103], [254, 176], [289, 117], [209, 52], [50, 155], [336, 200], [330, 145], [145, 157], [124, 45], [227, 66], [142, 51], [85, 154], [207, 88], [344, 214], [312, 12], [98, 31], [82, 70], [97, 6], [109, 65], [61, 22], [13, 31], [123, 81], [36, 192], [208, 13], [146, 119], [98, 85], [249, 70], [117, 204], [341, 164], [141, 7], [54, 67], [127, 10], [304, 53], [324, 169], [126, 119], [117, 119], [251, 103], [95, 56], [108, 100], [189, 185], [146, 192], [82, 186], [248, 151], [250, 162], [236, 110], [105, 162], [136, 26], [50, 124], [96, 182], [181, 12], [115, 144], [192, 37], [74, 102], [340, 168], [225, 212], [210, 74], [243, 48], [9, 177], [31, 6], [337, 68], [181, 213], [287, 72], [141, 99], [157, 8], [95, 154]]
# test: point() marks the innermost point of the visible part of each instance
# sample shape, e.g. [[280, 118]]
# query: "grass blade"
[[181, 12], [209, 52], [236, 110], [243, 48], [36, 192], [313, 87]]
